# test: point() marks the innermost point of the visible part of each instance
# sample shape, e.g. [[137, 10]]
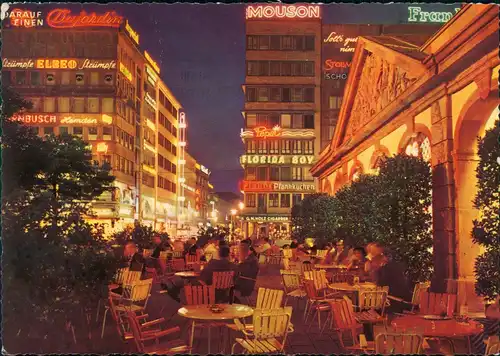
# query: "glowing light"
[[182, 144], [62, 18], [233, 211], [415, 14], [124, 70], [283, 11], [181, 198], [23, 18], [181, 161], [241, 205], [152, 62], [182, 125], [106, 119], [133, 35], [150, 124], [263, 132], [102, 147], [149, 147]]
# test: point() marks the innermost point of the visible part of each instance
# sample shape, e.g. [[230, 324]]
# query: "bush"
[[142, 235]]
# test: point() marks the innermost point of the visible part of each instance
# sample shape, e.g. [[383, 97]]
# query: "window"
[[296, 198], [273, 147], [296, 147], [92, 133], [307, 175], [63, 130], [94, 78], [253, 42], [93, 105], [78, 130], [65, 78], [63, 104], [36, 78], [286, 95], [309, 43], [308, 69], [251, 94], [261, 173], [261, 146], [309, 95], [251, 146], [20, 78], [286, 174], [274, 200], [285, 200], [286, 120], [49, 104], [78, 105], [250, 173], [287, 42], [309, 121], [308, 147], [275, 68], [107, 105], [286, 69], [262, 94], [6, 78], [297, 121], [251, 120], [275, 43], [274, 173], [297, 95], [264, 42], [107, 133], [37, 104], [253, 68], [275, 94], [250, 200], [50, 78], [286, 147], [297, 173], [48, 130], [334, 102]]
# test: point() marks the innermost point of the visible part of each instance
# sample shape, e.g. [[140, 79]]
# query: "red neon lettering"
[[262, 132], [330, 64], [62, 18]]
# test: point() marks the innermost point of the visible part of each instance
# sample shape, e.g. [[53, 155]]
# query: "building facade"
[[439, 97], [281, 113], [95, 82]]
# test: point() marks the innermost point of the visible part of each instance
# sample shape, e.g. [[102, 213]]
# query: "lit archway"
[[327, 187]]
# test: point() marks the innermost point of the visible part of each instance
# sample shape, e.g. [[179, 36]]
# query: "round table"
[[442, 329], [203, 313], [187, 274], [352, 288], [322, 266]]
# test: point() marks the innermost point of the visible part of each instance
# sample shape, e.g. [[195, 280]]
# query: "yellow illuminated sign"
[[133, 35], [152, 62], [102, 147], [124, 70]]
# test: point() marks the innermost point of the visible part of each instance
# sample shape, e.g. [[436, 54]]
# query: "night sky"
[[201, 52]]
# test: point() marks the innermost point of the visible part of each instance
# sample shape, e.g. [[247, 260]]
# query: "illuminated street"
[[255, 178]]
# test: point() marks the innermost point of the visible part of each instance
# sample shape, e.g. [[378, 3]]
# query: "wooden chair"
[[199, 295], [178, 254], [268, 299], [437, 303], [398, 343], [307, 266], [417, 290], [492, 345], [268, 334], [293, 285], [315, 301], [192, 260], [177, 265], [223, 283], [342, 277], [156, 346], [287, 256], [319, 279], [321, 253], [370, 303], [342, 321]]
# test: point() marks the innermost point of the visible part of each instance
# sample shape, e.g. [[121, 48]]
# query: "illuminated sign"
[[284, 133], [348, 43], [66, 119], [23, 18], [263, 132], [62, 18], [102, 147], [152, 62], [331, 64], [124, 70], [150, 100], [415, 14], [335, 76], [18, 63], [191, 189], [270, 159], [67, 63], [266, 218], [262, 186], [283, 11], [133, 35], [204, 170]]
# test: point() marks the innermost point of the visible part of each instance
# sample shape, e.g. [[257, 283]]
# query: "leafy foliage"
[[486, 229], [55, 265], [206, 233], [142, 235], [303, 217]]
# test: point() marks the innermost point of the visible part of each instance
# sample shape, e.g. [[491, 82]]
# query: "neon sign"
[[263, 186], [348, 43], [335, 76], [415, 14], [265, 218], [284, 133], [67, 119], [152, 62], [102, 147], [18, 63], [23, 18], [133, 35], [124, 70], [62, 18], [275, 159], [68, 63], [204, 170], [263, 132], [331, 64], [56, 64], [283, 11], [150, 100]]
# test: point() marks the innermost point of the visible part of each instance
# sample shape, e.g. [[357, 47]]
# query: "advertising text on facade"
[[276, 159], [263, 186], [62, 18], [124, 70], [66, 119], [415, 14], [263, 132], [133, 35], [331, 64], [24, 18], [347, 44], [155, 66], [283, 11]]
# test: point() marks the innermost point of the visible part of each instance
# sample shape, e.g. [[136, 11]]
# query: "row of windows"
[[126, 112], [280, 147], [127, 61], [124, 165], [148, 180], [165, 122], [92, 132], [334, 102], [73, 104], [294, 121], [58, 44], [149, 159], [126, 89], [281, 68], [35, 78], [165, 143], [280, 94], [164, 183], [274, 199], [150, 136], [280, 43], [276, 173], [167, 104], [124, 139], [166, 164]]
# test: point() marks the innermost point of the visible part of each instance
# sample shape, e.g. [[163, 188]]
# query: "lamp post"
[[241, 206], [233, 214]]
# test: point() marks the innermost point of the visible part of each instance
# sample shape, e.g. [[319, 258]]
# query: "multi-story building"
[[281, 113], [92, 80], [202, 192]]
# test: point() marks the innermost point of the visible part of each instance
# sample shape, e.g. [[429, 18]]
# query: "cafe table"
[[448, 329], [325, 267], [200, 313], [353, 289], [187, 274]]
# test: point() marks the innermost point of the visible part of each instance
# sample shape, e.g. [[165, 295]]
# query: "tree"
[[303, 217], [142, 235], [486, 229], [206, 233], [55, 265]]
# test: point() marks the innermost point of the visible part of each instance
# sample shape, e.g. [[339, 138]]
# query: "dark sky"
[[201, 52]]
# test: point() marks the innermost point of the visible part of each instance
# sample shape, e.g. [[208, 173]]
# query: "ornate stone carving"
[[380, 84]]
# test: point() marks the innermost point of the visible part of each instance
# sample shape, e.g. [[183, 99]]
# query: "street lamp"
[[241, 205], [233, 214]]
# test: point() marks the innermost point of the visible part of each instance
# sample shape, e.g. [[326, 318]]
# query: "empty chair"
[[199, 295], [437, 303], [398, 343], [293, 285], [268, 299], [318, 277], [372, 306]]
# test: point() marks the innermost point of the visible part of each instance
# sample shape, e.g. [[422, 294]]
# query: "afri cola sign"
[[282, 12]]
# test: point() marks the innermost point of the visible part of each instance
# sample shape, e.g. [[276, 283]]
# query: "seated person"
[[190, 247], [211, 248], [155, 260], [357, 259], [341, 254], [131, 259], [247, 271], [294, 244], [249, 243], [220, 265]]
